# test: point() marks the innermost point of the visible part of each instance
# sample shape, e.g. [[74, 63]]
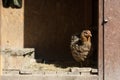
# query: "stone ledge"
[[19, 52], [47, 77], [73, 73], [11, 71], [94, 71], [17, 58], [81, 72]]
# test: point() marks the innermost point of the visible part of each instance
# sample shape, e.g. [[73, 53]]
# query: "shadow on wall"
[[49, 25]]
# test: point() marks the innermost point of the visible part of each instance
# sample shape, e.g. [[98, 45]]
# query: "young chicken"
[[81, 46]]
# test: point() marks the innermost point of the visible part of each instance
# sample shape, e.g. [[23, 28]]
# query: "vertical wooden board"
[[100, 39], [112, 40]]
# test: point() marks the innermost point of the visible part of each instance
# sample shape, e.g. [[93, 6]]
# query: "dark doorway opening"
[[49, 25]]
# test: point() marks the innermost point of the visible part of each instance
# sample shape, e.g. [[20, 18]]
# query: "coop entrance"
[[49, 25]]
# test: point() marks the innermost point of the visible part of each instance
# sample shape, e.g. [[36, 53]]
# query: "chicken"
[[81, 46]]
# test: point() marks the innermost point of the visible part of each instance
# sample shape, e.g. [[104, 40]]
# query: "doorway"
[[49, 25]]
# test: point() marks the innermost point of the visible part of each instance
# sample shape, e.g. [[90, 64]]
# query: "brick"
[[94, 71], [11, 71], [73, 73], [49, 72], [48, 77], [25, 72], [61, 73], [81, 69], [19, 52], [85, 73], [17, 58], [38, 72]]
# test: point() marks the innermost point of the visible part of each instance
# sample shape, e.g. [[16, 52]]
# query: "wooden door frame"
[[101, 39]]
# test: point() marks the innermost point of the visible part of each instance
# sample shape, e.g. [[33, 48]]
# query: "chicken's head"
[[85, 35]]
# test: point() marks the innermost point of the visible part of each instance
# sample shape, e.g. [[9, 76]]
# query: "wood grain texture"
[[50, 24], [112, 40]]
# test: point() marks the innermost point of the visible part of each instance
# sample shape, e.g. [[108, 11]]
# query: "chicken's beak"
[[90, 35]]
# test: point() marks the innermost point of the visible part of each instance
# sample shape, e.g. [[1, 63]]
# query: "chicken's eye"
[[85, 32]]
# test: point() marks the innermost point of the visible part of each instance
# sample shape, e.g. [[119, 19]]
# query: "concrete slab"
[[17, 58], [48, 77]]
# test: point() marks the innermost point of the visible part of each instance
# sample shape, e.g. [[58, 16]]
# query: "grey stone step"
[[10, 71], [48, 77]]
